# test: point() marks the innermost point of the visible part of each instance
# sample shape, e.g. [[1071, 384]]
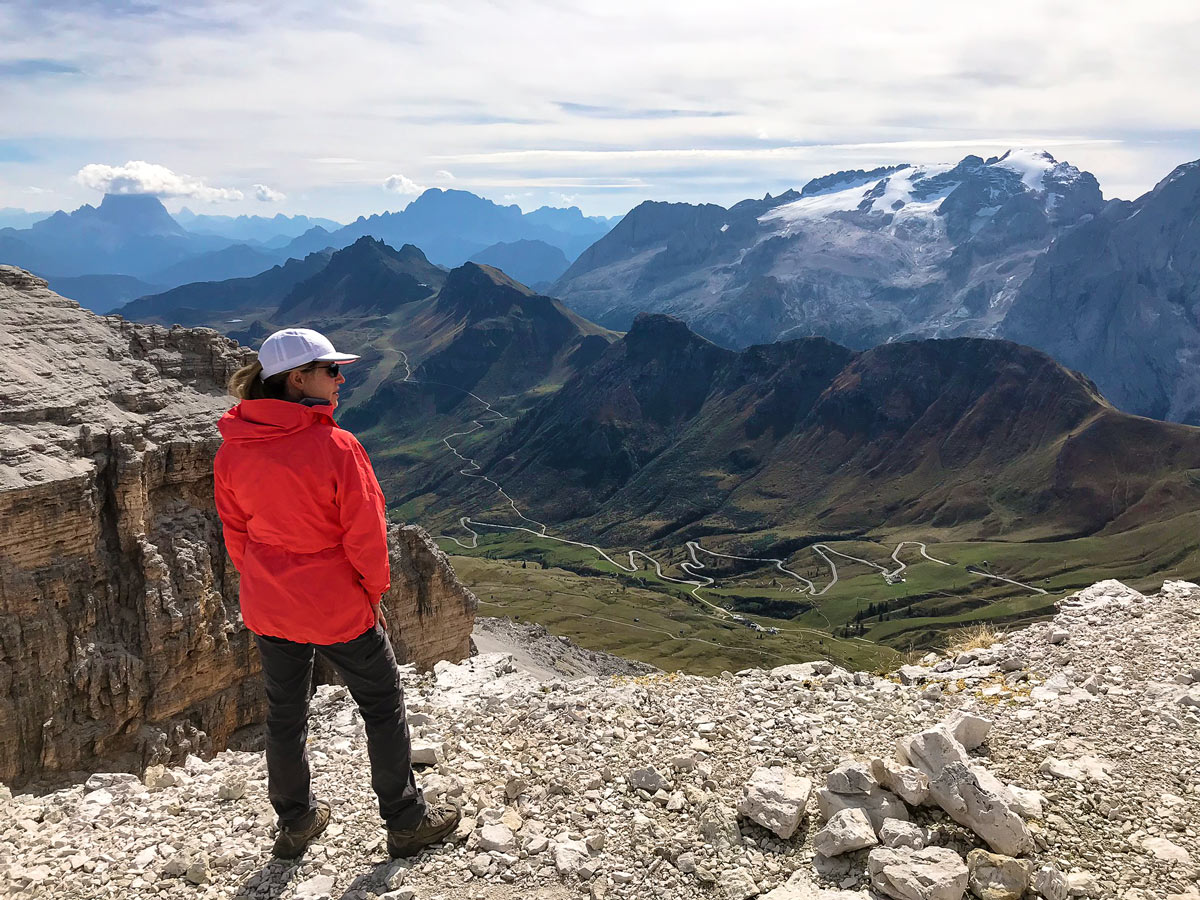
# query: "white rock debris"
[[631, 786]]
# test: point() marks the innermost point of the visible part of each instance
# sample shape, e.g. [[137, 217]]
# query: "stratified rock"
[[851, 778], [996, 877], [775, 799], [118, 606], [934, 873]]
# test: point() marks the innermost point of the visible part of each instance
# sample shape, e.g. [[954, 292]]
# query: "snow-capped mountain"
[[859, 257]]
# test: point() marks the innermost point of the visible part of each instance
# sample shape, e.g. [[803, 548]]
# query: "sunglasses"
[[332, 369]]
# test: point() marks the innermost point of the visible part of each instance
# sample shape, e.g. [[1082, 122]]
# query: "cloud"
[[624, 112], [175, 81], [24, 68], [402, 184], [139, 177], [443, 175], [267, 195]]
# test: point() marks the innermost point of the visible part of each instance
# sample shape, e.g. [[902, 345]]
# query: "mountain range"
[[1019, 246], [667, 437], [134, 236], [858, 257]]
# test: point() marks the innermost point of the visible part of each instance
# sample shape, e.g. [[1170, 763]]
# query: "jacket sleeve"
[[233, 518], [364, 518]]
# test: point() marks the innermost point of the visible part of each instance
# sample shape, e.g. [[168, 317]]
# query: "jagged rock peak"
[[658, 330]]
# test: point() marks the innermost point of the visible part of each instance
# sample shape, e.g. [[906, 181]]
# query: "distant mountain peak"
[[479, 290], [655, 334], [141, 214]]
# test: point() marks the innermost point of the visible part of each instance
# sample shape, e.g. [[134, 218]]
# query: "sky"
[[351, 108]]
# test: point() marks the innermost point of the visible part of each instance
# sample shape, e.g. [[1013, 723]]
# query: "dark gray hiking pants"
[[368, 667]]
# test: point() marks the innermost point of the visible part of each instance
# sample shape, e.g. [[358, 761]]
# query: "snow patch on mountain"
[[1031, 165]]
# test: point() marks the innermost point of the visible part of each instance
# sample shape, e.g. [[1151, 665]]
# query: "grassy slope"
[[580, 586]]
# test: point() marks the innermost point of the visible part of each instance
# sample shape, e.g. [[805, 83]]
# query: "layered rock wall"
[[121, 642]]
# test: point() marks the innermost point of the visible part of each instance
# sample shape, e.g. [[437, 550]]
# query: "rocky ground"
[[546, 656], [1066, 761]]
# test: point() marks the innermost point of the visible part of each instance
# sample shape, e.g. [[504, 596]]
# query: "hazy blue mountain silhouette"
[[275, 230], [452, 226], [529, 262], [124, 235]]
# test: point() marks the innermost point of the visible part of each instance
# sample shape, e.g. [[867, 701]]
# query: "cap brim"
[[338, 358]]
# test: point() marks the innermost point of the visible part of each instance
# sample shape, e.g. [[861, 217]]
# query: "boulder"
[[931, 750], [847, 830], [996, 877], [775, 798], [909, 784], [969, 729], [934, 873], [990, 814], [896, 833], [1051, 883], [879, 805]]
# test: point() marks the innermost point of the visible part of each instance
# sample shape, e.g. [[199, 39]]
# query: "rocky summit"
[[1059, 762]]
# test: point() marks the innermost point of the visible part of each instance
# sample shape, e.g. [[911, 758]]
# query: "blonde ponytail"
[[247, 384]]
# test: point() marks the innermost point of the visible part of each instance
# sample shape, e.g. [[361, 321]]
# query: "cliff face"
[[121, 642]]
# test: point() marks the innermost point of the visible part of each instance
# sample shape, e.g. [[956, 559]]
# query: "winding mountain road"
[[692, 566]]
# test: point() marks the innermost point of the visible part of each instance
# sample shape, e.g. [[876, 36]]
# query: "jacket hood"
[[263, 420]]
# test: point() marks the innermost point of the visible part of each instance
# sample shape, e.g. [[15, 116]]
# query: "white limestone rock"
[[897, 833], [935, 873], [931, 750], [851, 778], [569, 856], [737, 884], [908, 783], [1051, 883], [847, 830], [968, 728], [997, 877], [879, 805], [775, 798], [497, 837], [989, 813]]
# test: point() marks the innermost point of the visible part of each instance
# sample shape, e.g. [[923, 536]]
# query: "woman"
[[305, 525]]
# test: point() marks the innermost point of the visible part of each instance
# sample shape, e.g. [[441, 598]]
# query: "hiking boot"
[[438, 824], [292, 839]]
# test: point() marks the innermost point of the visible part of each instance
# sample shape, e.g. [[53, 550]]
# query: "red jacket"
[[304, 522]]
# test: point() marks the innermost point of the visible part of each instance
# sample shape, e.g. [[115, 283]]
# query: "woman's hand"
[[377, 609]]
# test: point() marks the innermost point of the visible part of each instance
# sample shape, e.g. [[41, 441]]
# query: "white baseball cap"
[[293, 347]]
